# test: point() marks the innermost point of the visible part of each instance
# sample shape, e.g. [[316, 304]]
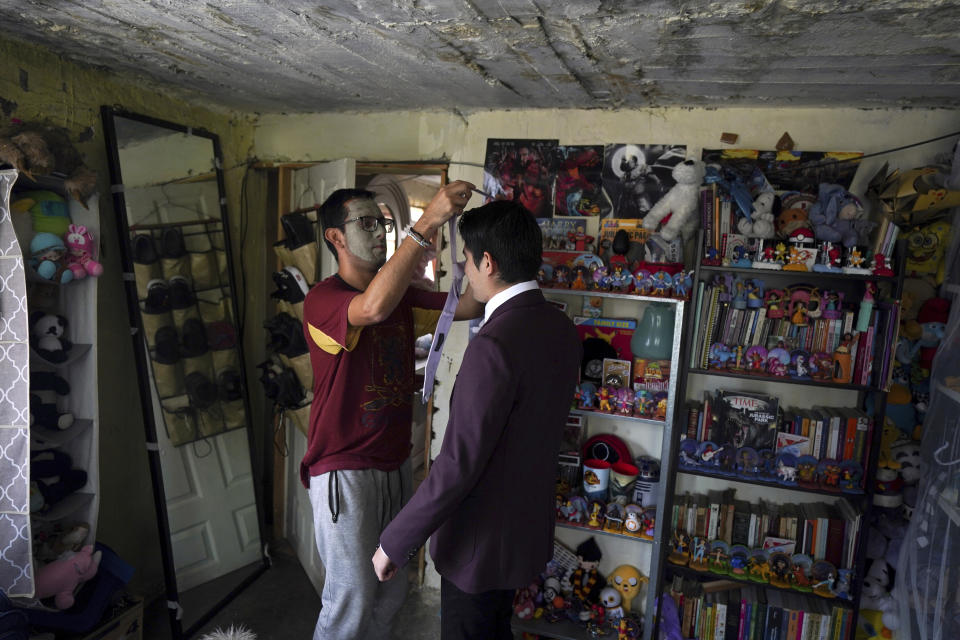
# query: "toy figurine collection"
[[588, 273], [572, 588]]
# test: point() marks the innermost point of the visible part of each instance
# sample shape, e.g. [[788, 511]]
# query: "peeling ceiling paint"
[[299, 56]]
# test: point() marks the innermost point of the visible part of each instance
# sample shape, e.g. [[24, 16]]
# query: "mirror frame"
[[108, 113]]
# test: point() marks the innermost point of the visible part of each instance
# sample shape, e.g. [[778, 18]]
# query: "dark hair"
[[509, 233], [332, 212]]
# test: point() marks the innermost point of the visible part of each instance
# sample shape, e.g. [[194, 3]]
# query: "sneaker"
[[291, 285], [144, 249], [200, 390], [158, 297], [166, 348], [194, 338], [298, 230], [181, 294], [171, 243]]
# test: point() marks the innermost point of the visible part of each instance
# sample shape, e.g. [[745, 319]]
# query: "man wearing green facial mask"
[[360, 325]]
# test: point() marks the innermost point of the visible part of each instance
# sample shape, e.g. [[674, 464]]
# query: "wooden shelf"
[[781, 380], [43, 438], [561, 630], [797, 275], [577, 527], [693, 573], [857, 497]]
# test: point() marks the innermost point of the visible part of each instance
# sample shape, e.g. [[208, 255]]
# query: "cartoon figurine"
[[828, 259], [796, 259], [594, 520], [825, 575], [842, 371], [627, 580], [585, 580], [780, 569], [717, 560], [881, 266], [561, 276], [579, 283], [855, 262], [603, 399], [699, 559], [866, 307], [720, 355], [580, 239], [681, 548]]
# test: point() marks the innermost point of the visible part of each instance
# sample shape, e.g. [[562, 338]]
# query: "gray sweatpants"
[[356, 605]]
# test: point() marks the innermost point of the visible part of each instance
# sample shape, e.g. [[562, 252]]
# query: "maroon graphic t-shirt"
[[363, 379]]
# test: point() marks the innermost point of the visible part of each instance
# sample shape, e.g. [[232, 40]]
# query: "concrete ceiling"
[[300, 56]]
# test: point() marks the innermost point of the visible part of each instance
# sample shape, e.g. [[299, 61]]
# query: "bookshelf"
[[703, 376], [643, 436]]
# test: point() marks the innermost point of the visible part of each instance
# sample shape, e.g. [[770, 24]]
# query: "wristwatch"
[[416, 237]]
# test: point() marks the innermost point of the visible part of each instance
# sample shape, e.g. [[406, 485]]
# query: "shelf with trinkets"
[[631, 323], [831, 332]]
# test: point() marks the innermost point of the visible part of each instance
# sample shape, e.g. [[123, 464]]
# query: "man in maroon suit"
[[489, 497]]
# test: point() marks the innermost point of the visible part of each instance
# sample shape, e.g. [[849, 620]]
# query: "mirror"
[[172, 222]]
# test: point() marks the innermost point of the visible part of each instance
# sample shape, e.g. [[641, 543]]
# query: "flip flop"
[[144, 249]]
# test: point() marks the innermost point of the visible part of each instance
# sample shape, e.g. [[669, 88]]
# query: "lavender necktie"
[[446, 318]]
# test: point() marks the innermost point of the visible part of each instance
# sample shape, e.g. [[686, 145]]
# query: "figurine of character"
[[780, 253], [720, 355], [681, 548], [842, 587], [625, 399], [579, 239], [579, 283], [585, 580], [601, 278], [799, 578], [603, 399], [799, 365], [881, 266], [661, 282], [780, 568], [699, 559], [586, 395], [741, 257], [829, 259], [796, 259], [643, 403], [807, 471], [711, 256], [786, 469], [717, 562], [561, 276], [621, 280], [594, 521], [660, 412], [758, 569], [829, 475], [824, 588], [545, 275], [855, 262], [774, 301], [754, 294], [682, 283]]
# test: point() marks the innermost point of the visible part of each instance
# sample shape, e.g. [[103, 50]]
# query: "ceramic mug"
[[596, 479], [623, 475]]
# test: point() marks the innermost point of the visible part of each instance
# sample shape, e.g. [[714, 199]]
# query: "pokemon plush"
[[82, 251], [47, 336], [47, 253], [680, 203], [61, 578], [791, 221], [760, 224]]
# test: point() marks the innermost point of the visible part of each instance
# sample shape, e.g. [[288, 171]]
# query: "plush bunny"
[[80, 257], [680, 203], [61, 577]]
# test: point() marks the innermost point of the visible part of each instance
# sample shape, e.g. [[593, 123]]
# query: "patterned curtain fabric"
[[16, 572]]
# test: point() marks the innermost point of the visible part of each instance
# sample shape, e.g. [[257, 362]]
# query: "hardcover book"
[[746, 419]]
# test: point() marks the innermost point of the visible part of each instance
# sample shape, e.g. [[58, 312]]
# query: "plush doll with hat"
[[47, 253], [932, 317], [82, 252], [680, 203]]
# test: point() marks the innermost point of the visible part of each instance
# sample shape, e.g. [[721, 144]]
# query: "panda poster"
[[523, 171], [635, 176]]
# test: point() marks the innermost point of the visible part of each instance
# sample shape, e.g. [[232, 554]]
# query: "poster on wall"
[[787, 170], [521, 170], [579, 185], [635, 176]]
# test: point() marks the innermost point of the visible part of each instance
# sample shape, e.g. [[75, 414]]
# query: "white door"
[[308, 187]]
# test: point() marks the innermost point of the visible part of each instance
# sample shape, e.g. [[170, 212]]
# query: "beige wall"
[[436, 135], [66, 95]]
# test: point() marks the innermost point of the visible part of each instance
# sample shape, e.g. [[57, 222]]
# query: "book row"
[[749, 613], [822, 531], [798, 332]]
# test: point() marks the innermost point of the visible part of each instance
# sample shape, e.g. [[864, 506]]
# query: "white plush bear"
[[682, 201], [762, 224]]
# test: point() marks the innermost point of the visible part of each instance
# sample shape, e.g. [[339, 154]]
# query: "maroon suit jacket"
[[489, 497]]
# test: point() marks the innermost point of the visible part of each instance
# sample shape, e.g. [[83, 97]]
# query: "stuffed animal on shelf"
[[765, 210], [48, 415], [792, 221], [47, 254], [47, 336], [839, 217], [875, 595], [680, 203], [627, 579], [48, 210], [61, 578], [82, 251]]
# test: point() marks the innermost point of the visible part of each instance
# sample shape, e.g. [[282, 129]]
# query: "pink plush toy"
[[81, 251], [61, 577]]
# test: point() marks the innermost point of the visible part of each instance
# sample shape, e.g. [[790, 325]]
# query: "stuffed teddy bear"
[[46, 336], [876, 596], [48, 415], [47, 253], [61, 578], [680, 203], [80, 258], [760, 224], [839, 217]]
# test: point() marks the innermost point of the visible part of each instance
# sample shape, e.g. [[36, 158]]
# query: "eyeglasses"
[[370, 223]]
